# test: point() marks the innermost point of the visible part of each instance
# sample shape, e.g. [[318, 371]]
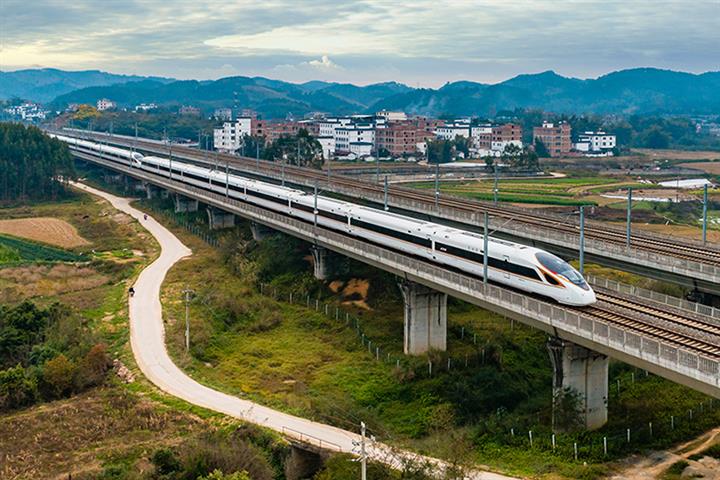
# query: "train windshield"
[[561, 267]]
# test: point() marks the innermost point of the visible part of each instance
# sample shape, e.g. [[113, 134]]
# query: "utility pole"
[[629, 218], [437, 185], [363, 454], [582, 239], [385, 202], [495, 186], [282, 168], [187, 292], [705, 210], [486, 233], [315, 210], [227, 178], [377, 170], [257, 152], [170, 151]]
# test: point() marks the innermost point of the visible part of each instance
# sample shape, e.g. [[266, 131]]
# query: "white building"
[[451, 130], [595, 142], [328, 146], [361, 149], [105, 104], [223, 114], [229, 138], [28, 111], [391, 116], [345, 136], [143, 107]]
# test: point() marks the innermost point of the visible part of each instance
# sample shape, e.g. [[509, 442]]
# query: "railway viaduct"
[[682, 261], [669, 337]]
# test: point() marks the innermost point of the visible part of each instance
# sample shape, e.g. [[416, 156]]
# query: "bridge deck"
[[684, 354]]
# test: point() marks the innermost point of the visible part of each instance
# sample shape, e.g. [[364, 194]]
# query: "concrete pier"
[[218, 219], [320, 262], [425, 318], [185, 204], [586, 373], [259, 231]]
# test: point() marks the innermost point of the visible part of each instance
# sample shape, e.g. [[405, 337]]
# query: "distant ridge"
[[633, 91], [45, 84]]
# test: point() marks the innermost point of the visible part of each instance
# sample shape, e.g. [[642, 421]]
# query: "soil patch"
[[44, 229]]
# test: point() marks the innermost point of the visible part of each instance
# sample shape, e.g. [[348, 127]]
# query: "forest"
[[33, 166]]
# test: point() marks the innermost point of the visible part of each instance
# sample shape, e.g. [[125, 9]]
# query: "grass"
[[298, 360], [565, 191]]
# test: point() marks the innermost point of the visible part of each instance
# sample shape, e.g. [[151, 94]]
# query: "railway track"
[[693, 342], [666, 325], [696, 253]]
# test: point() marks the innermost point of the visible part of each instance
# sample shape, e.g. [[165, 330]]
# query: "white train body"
[[525, 268]]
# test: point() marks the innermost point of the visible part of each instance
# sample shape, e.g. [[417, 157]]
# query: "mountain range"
[[640, 90], [43, 85]]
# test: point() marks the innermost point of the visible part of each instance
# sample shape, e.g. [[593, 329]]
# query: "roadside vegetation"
[[248, 339], [32, 165]]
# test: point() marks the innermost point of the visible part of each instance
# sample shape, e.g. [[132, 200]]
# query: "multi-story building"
[[481, 136], [398, 138], [229, 137], [556, 138], [353, 134], [189, 110], [105, 104], [28, 111], [145, 107], [451, 130], [223, 114], [594, 143], [275, 130], [391, 116], [504, 135]]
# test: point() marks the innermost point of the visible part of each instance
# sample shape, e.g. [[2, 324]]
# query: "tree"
[[17, 388], [301, 149], [439, 151], [32, 165], [655, 137], [540, 149], [58, 375]]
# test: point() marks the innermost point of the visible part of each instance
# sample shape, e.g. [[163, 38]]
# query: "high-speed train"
[[525, 268]]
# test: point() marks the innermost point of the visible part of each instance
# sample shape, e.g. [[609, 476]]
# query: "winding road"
[[147, 338]]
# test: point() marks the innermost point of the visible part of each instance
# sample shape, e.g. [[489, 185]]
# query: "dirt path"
[[147, 338], [650, 467]]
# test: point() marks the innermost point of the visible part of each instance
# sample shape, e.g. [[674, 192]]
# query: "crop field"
[[53, 231], [545, 191], [16, 250]]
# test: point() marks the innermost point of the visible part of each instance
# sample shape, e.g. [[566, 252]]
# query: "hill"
[[640, 90], [271, 98], [43, 85]]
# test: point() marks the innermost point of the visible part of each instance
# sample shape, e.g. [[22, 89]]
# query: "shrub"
[[218, 475], [58, 375], [17, 388], [94, 366]]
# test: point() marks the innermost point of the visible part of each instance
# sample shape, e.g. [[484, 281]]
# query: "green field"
[[15, 250], [546, 191]]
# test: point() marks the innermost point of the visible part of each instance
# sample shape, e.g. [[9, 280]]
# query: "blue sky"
[[420, 42]]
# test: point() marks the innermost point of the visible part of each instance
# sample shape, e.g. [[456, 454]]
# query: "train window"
[[550, 279], [561, 267]]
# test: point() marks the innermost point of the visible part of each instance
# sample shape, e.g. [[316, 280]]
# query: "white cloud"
[[324, 63]]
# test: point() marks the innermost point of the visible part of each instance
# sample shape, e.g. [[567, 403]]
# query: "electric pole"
[[363, 454], [187, 292]]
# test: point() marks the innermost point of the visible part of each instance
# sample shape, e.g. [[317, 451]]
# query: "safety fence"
[[594, 331]]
